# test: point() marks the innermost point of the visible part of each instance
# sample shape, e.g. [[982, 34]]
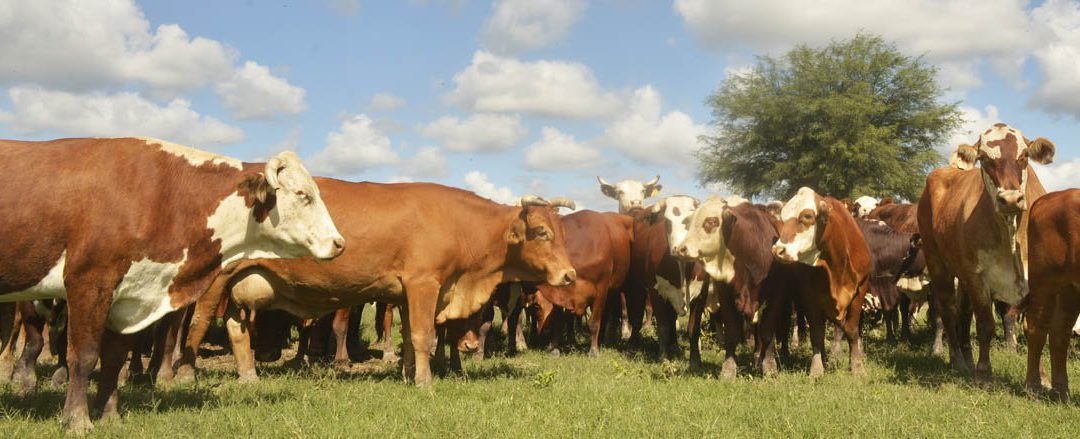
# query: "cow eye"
[[542, 233]]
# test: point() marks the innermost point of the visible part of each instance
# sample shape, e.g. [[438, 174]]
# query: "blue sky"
[[506, 97]]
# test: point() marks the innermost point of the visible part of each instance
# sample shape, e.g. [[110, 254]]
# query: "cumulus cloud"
[[356, 145], [647, 135], [556, 151], [520, 25], [255, 93], [74, 45], [497, 84], [477, 133], [478, 182], [386, 102], [427, 163], [1059, 61], [1059, 175], [35, 109]]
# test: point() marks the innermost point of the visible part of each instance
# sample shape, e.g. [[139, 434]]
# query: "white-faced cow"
[[630, 194], [130, 229], [974, 229], [862, 206]]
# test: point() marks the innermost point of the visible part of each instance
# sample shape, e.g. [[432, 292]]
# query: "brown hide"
[[1054, 280], [901, 217]]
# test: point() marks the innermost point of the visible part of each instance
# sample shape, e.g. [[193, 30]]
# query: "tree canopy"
[[856, 117]]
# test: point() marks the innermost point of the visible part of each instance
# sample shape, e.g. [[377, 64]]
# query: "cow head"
[[1003, 153], [630, 194], [803, 218], [676, 212], [288, 211], [535, 240], [863, 205], [705, 238]]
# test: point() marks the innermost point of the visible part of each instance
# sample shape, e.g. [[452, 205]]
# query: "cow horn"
[[602, 181], [563, 202], [653, 182], [533, 200]]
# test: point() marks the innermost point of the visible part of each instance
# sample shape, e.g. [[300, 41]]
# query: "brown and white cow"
[[819, 233], [974, 228], [733, 239], [437, 251], [630, 194], [895, 255], [154, 224], [1054, 279], [863, 205], [598, 245]]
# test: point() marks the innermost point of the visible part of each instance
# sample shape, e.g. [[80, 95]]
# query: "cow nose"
[[779, 251], [1012, 199], [570, 276], [339, 245], [681, 251]]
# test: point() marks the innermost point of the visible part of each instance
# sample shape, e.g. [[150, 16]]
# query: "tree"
[[854, 118]]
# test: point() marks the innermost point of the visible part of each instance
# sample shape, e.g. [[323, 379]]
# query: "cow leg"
[[239, 331], [487, 319], [693, 327], [636, 307], [513, 324], [33, 324], [88, 308], [201, 316], [1041, 307], [58, 342], [165, 337], [834, 350], [340, 326], [943, 300], [733, 329], [964, 316], [596, 318], [903, 308], [384, 324], [1008, 322], [816, 320], [354, 347], [1064, 316], [408, 355], [438, 362], [984, 327], [114, 353], [624, 317], [934, 317], [851, 330], [890, 316], [10, 326], [665, 325], [421, 297]]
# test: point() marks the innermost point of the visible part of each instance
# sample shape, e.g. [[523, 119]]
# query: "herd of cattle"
[[126, 240]]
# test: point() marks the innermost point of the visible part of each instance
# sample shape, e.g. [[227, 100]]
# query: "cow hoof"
[[858, 369], [389, 357], [248, 378], [60, 376], [1060, 395], [730, 369], [342, 364], [24, 381], [78, 424], [938, 349], [184, 375], [817, 368], [769, 368]]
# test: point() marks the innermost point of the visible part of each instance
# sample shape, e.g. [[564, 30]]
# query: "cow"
[[973, 224], [630, 194], [436, 251], [655, 273], [1054, 280], [511, 301], [734, 239], [863, 205], [894, 255], [156, 223], [598, 245], [818, 232]]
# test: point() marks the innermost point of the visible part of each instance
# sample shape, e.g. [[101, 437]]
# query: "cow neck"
[[235, 227], [1005, 224], [477, 273]]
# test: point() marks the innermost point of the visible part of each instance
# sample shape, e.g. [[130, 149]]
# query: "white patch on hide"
[[142, 297], [193, 156], [672, 294], [49, 287]]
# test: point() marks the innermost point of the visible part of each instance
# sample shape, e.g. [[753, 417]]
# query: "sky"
[[505, 97]]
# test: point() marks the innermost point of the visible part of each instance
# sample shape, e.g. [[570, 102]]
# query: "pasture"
[[623, 393]]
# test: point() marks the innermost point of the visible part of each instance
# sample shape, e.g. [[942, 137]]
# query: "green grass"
[[623, 393]]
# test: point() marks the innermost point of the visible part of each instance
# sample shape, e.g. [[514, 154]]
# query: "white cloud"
[[357, 145], [35, 109], [386, 102], [493, 83], [520, 25], [1059, 61], [648, 136], [255, 93], [428, 163], [477, 133], [556, 151], [75, 45], [1060, 175], [477, 181]]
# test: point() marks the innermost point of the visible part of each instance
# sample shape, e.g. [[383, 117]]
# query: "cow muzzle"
[[782, 254], [1011, 201], [683, 252], [567, 277]]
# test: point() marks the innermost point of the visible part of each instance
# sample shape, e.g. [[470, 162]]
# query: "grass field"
[[623, 393]]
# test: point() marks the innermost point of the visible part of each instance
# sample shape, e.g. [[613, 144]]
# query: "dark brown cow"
[[974, 229], [734, 240], [598, 245], [819, 233], [155, 223], [1054, 280], [895, 255], [437, 251]]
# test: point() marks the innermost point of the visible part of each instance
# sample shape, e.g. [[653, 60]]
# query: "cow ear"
[[727, 223], [964, 157], [258, 195], [516, 233], [653, 190], [823, 211], [848, 204], [607, 188], [1041, 151]]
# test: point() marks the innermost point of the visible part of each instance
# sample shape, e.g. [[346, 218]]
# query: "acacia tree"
[[854, 118]]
